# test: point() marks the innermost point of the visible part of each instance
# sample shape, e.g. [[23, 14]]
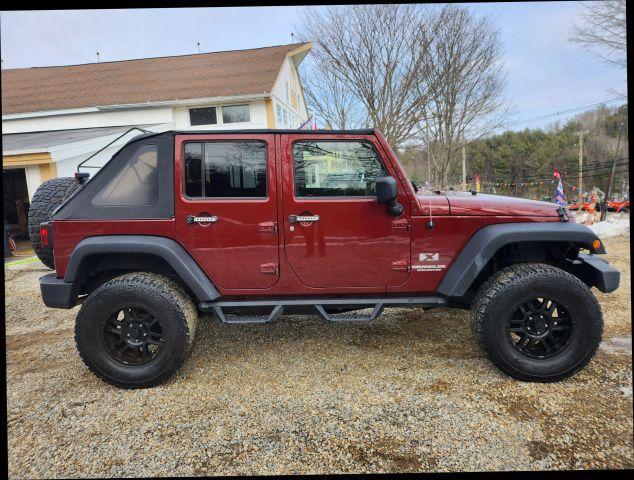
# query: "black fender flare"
[[169, 250], [488, 240]]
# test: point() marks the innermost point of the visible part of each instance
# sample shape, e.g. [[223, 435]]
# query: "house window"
[[279, 114], [225, 169], [235, 114], [336, 169], [285, 118], [202, 116]]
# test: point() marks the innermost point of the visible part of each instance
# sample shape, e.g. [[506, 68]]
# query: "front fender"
[[488, 240]]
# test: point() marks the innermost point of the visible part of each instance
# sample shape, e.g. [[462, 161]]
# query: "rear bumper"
[[56, 293], [596, 272]]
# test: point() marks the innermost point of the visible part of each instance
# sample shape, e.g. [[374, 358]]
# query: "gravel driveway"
[[407, 392]]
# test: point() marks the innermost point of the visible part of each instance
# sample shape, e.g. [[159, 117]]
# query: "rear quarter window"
[[136, 184]]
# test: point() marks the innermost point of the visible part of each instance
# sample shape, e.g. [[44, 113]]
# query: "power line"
[[622, 167], [563, 112], [534, 183], [547, 177], [590, 169]]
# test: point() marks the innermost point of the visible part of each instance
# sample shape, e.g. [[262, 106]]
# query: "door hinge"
[[269, 268], [268, 227], [401, 224], [401, 266]]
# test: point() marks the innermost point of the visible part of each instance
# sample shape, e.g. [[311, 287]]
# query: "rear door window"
[[225, 169]]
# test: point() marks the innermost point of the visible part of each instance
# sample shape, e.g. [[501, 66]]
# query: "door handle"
[[210, 219], [303, 218]]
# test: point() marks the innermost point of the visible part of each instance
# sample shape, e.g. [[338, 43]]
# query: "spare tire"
[[48, 196]]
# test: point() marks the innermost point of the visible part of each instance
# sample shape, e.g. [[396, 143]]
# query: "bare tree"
[[465, 100], [373, 55], [329, 96], [603, 30]]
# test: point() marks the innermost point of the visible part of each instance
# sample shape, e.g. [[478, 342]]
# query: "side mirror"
[[386, 189], [387, 192]]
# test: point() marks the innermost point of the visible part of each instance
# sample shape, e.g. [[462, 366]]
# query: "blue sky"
[[546, 72]]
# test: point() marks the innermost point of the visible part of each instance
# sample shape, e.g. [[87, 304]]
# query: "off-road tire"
[[509, 287], [159, 295], [48, 196]]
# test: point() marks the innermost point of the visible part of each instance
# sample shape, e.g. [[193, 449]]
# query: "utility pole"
[[580, 191], [604, 208], [464, 168], [429, 155]]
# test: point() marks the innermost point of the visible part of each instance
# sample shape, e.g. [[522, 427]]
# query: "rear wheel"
[[537, 322], [135, 330], [48, 196]]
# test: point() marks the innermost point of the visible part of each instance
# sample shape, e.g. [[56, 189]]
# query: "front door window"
[[336, 169]]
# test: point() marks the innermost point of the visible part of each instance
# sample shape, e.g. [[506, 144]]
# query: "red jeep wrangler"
[[248, 225]]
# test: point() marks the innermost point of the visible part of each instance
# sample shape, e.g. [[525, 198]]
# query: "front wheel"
[[135, 330], [537, 322]]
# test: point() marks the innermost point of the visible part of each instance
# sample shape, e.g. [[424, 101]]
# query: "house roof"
[[217, 74], [17, 143]]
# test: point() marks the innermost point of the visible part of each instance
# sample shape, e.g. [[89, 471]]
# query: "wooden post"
[[464, 168], [580, 192]]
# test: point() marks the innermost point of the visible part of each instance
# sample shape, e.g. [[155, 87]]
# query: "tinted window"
[[225, 169], [202, 116], [135, 184], [193, 169], [334, 169], [235, 114]]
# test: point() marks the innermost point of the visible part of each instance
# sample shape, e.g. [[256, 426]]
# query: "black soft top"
[[361, 131], [81, 205]]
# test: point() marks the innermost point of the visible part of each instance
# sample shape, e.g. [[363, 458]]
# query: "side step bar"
[[228, 311], [235, 318]]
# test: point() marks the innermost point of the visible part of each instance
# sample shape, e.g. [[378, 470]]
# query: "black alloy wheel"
[[540, 328], [133, 336]]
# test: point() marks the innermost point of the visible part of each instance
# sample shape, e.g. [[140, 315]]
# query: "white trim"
[[49, 113], [24, 152], [157, 104]]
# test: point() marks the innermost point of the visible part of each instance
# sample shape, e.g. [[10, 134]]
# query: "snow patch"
[[612, 227], [617, 345]]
